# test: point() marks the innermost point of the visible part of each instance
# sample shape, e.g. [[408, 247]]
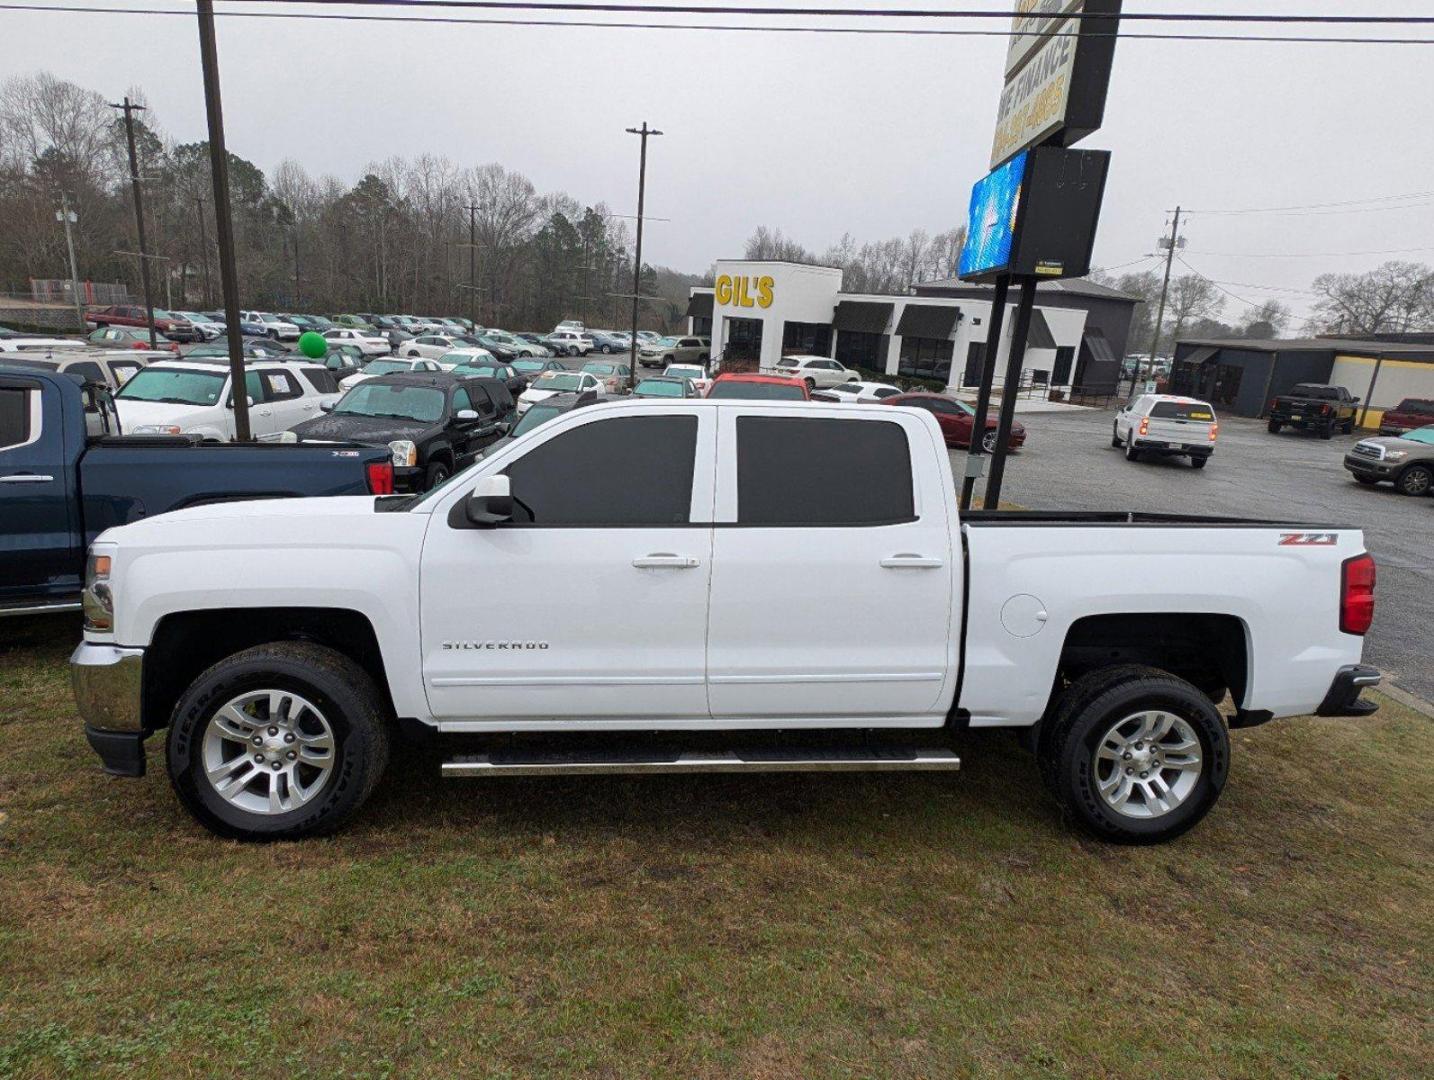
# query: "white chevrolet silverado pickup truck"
[[704, 586]]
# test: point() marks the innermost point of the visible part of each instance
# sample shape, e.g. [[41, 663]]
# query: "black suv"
[[435, 425]]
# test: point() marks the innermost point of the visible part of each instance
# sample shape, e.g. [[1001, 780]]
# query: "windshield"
[[559, 383], [666, 343], [537, 414], [174, 385], [386, 367], [478, 371], [599, 369], [527, 367], [1420, 435], [658, 388], [423, 403], [1182, 410], [756, 391], [688, 371]]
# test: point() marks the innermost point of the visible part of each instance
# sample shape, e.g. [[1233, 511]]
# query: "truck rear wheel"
[[1135, 755], [1275, 426], [277, 742]]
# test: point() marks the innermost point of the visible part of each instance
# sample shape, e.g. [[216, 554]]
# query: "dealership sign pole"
[[1034, 215]]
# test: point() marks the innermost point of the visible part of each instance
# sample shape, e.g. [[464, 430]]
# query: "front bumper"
[[107, 681], [1343, 697], [409, 478], [1371, 467]]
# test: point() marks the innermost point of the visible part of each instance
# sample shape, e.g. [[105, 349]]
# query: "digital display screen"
[[991, 226]]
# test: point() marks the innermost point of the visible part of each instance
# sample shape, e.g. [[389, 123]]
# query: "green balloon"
[[313, 345]]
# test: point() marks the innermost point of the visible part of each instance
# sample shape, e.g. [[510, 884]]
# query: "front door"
[[40, 555], [833, 577], [590, 608]]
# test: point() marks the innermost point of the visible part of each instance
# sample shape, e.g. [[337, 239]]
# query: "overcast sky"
[[817, 134]]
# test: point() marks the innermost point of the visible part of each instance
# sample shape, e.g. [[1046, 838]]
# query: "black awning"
[[699, 306], [862, 316], [1096, 344], [934, 321], [1039, 336], [1199, 356]]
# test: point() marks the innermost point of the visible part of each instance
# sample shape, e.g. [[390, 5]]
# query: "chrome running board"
[[760, 761]]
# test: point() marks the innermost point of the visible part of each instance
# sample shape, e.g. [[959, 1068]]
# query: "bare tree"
[[1396, 297]]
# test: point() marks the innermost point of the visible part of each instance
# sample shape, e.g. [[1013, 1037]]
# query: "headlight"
[[97, 600], [404, 452], [157, 429], [1395, 455]]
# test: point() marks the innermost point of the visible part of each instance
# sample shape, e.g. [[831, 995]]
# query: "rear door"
[[833, 574], [39, 547]]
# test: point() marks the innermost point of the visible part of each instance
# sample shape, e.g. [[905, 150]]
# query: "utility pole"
[[296, 259], [645, 132], [223, 224], [586, 296], [69, 217], [1173, 240], [130, 108]]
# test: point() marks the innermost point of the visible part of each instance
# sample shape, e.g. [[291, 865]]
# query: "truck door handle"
[[665, 560], [912, 562], [25, 478]]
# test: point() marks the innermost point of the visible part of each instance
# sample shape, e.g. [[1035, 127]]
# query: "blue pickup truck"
[[67, 474]]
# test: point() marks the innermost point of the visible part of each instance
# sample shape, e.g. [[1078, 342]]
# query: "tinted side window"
[[87, 369], [797, 471], [321, 379], [281, 386], [630, 470], [14, 416]]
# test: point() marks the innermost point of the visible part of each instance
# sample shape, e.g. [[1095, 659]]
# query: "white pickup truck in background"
[[704, 586]]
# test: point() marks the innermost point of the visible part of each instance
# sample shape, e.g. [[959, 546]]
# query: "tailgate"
[[1180, 432]]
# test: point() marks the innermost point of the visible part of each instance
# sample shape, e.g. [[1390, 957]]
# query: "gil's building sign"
[[762, 311]]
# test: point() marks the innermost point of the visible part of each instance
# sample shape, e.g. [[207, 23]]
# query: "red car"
[[957, 418], [759, 388], [171, 326], [1409, 414]]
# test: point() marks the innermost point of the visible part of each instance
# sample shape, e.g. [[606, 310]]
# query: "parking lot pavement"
[[1069, 464]]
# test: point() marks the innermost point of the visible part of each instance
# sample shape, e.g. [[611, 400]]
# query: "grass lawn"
[[765, 926]]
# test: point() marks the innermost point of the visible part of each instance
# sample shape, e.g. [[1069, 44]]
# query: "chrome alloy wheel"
[[1147, 764], [268, 751]]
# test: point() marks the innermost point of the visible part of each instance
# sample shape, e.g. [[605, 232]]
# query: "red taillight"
[[1356, 594], [1145, 425], [1214, 431], [380, 477], [1273, 403]]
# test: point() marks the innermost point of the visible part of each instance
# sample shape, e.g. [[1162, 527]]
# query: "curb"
[[1405, 698]]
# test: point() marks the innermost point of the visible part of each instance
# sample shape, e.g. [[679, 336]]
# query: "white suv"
[[817, 371], [571, 342], [430, 346], [274, 326], [177, 397], [1168, 426]]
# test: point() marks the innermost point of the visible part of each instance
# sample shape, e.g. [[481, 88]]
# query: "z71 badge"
[[1309, 539]]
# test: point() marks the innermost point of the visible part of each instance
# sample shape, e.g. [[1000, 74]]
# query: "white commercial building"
[[761, 311]]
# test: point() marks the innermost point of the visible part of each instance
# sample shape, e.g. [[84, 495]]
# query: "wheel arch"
[[1208, 649], [186, 643]]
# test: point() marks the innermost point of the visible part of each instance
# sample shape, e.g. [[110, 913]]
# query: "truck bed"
[[1131, 517]]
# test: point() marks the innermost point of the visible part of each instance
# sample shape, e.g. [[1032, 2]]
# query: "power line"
[[709, 27], [1356, 206], [1217, 285], [587, 8], [1122, 266], [1306, 254]]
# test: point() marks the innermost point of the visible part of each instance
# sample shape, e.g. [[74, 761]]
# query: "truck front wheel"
[[1135, 755], [1275, 427], [278, 742]]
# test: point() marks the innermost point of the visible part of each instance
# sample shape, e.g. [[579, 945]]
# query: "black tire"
[[437, 472], [1131, 453], [272, 335], [811, 384], [606, 350], [1114, 436], [1198, 462], [1275, 427], [1326, 431], [1367, 481], [1092, 707], [988, 442], [336, 685], [1415, 480], [1349, 427]]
